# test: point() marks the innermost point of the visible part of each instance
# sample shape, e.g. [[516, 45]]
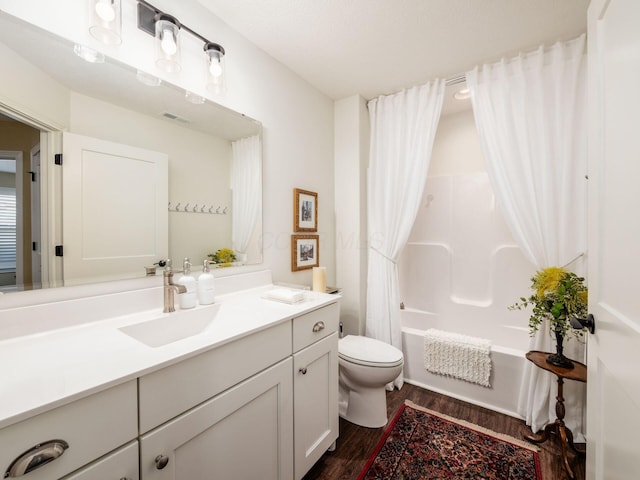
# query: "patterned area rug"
[[420, 444]]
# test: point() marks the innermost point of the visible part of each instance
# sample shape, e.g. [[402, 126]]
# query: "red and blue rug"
[[421, 444]]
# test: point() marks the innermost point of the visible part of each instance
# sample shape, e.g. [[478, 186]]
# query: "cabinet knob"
[[303, 370], [318, 326], [161, 461]]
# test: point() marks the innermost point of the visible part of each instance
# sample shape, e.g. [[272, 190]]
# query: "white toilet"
[[366, 366]]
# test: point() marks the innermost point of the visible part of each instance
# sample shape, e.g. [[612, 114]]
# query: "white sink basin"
[[171, 327]]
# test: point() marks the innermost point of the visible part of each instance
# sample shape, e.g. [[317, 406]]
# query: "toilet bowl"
[[366, 366]]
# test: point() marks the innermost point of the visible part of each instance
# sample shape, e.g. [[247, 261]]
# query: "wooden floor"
[[356, 444]]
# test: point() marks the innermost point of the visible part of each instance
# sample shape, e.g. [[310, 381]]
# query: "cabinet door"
[[244, 433], [120, 465], [315, 388]]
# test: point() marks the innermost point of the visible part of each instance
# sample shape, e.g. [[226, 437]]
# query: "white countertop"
[[46, 370]]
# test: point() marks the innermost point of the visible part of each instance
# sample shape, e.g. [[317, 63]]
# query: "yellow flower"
[[547, 280]]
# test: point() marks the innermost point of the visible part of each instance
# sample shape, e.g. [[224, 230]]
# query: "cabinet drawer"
[[168, 392], [313, 326], [119, 465], [91, 426]]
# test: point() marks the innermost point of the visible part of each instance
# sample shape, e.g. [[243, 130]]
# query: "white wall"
[[351, 160], [297, 119]]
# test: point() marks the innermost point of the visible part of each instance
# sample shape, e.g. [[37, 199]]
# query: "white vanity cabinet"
[[119, 465], [231, 412], [257, 400], [76, 434], [244, 433], [315, 385]]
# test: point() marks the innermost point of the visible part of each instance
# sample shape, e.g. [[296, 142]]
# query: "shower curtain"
[[246, 191], [530, 113], [403, 127]]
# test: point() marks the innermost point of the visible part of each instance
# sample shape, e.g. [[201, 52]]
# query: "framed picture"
[[305, 211], [305, 250]]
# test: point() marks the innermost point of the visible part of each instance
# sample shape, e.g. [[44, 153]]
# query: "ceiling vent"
[[171, 116]]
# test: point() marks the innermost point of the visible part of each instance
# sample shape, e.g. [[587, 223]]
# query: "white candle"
[[320, 279]]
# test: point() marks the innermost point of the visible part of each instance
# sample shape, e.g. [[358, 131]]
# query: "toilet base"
[[366, 407]]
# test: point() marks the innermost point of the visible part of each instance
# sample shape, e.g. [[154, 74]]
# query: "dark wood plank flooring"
[[356, 444]]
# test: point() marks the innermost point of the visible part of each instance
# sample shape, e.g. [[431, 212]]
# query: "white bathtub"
[[509, 345]]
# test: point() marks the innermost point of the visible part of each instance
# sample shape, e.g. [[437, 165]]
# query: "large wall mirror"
[[213, 191]]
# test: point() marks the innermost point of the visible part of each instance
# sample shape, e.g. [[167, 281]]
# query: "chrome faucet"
[[170, 288]]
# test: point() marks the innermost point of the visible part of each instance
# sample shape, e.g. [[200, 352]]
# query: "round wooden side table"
[[578, 373]]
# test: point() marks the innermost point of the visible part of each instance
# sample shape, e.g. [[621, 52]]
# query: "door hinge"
[[59, 251], [34, 246], [33, 175], [57, 159]]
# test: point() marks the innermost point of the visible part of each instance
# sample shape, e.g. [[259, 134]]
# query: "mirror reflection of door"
[[19, 205]]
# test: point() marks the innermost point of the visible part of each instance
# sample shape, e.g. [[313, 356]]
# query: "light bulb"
[[168, 43], [105, 10], [215, 69]]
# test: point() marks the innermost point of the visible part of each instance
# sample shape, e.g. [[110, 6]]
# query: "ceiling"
[[375, 47]]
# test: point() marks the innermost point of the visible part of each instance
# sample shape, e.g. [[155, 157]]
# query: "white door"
[[613, 385], [114, 209]]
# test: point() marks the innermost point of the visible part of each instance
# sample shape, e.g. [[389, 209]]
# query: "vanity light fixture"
[[148, 79], [166, 30], [193, 98], [88, 54], [214, 63], [106, 21]]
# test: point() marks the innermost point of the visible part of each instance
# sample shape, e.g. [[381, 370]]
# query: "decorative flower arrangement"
[[557, 295], [224, 257]]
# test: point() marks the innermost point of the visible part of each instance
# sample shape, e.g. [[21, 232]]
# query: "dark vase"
[[558, 359]]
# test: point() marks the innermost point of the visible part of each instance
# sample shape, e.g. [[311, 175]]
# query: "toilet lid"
[[368, 351]]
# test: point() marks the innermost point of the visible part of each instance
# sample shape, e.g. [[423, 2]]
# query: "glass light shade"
[[214, 67], [88, 54], [168, 44], [193, 98], [106, 21], [148, 79]]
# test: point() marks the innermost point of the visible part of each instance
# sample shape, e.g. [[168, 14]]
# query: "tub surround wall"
[[461, 266], [461, 270]]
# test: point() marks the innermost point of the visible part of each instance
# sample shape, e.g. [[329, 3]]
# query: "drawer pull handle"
[[318, 326], [36, 457], [303, 370], [161, 461]]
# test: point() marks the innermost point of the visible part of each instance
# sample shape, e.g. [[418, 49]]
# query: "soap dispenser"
[[187, 299], [206, 293]]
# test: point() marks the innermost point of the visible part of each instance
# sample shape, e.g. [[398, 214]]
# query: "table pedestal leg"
[[558, 427]]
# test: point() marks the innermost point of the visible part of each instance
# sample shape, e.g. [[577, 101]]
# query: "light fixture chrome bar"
[[147, 20]]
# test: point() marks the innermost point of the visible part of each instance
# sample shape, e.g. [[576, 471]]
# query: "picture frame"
[[305, 211], [305, 252]]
